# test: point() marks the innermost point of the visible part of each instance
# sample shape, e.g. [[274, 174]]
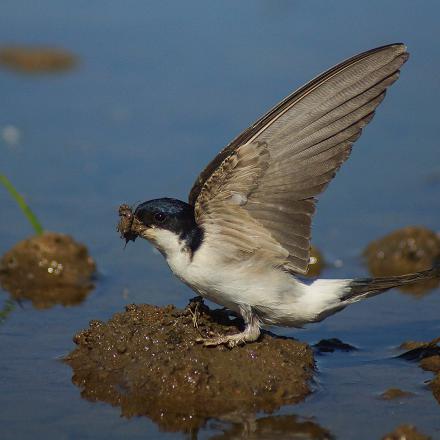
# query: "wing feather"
[[265, 182]]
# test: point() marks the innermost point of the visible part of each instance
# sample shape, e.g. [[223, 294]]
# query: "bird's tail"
[[365, 287], [326, 297]]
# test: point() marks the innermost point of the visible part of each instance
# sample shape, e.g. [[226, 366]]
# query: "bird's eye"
[[159, 217]]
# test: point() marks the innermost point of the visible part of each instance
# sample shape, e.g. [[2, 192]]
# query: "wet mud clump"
[[405, 432], [408, 250], [48, 269], [146, 361], [34, 60]]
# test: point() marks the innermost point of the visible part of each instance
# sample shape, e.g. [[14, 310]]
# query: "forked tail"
[[365, 287]]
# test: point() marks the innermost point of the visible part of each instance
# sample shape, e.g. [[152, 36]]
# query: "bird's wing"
[[221, 207], [260, 191]]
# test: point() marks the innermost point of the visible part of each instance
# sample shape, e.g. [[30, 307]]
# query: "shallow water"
[[160, 88]]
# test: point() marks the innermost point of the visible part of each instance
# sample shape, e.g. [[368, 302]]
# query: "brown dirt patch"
[[146, 361], [408, 250], [48, 269]]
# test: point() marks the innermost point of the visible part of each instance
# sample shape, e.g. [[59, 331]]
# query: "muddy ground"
[[146, 361], [48, 269]]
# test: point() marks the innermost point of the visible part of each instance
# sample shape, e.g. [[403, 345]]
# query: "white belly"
[[275, 296]]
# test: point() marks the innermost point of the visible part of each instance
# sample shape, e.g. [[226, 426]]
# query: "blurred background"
[[132, 101]]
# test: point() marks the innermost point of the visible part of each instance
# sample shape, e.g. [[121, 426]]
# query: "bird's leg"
[[250, 333]]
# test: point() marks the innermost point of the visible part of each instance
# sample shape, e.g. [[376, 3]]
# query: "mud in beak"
[[129, 227]]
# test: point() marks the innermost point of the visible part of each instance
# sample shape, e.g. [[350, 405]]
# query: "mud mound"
[[408, 250], [146, 361], [48, 269]]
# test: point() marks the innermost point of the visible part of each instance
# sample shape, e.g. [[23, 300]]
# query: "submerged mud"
[[408, 250], [146, 361], [395, 394], [48, 269]]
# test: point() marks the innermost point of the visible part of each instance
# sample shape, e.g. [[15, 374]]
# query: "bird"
[[243, 239]]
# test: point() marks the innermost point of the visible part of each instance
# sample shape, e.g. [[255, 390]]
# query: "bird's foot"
[[230, 341], [250, 334]]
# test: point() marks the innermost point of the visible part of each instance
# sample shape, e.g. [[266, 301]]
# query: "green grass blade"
[[8, 307], [22, 204]]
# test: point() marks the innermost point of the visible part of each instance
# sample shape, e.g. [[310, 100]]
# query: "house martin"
[[243, 238]]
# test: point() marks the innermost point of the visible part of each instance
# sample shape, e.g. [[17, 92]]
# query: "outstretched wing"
[[259, 193]]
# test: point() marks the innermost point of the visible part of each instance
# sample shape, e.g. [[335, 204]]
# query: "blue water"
[[160, 88]]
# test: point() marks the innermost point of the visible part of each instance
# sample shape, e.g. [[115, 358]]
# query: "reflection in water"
[[271, 428], [36, 60], [48, 269], [408, 250]]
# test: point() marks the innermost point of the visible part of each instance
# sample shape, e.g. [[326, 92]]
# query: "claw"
[[230, 341]]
